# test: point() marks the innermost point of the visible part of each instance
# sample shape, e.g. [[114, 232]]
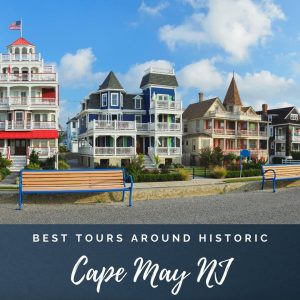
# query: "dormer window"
[[104, 100], [114, 99], [138, 103], [294, 117]]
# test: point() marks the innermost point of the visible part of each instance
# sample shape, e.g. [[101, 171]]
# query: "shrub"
[[277, 160], [205, 157], [62, 149], [158, 177], [49, 163], [217, 156], [136, 166], [245, 173], [185, 175], [230, 157], [3, 173], [157, 159], [33, 166], [5, 163], [62, 165], [296, 155], [34, 158], [219, 172]]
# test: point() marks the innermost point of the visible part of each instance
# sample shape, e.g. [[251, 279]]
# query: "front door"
[[20, 147], [139, 145]]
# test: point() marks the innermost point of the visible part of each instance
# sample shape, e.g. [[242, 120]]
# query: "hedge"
[[245, 173], [4, 172], [158, 177]]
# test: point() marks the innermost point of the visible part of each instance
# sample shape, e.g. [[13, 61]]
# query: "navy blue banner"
[[131, 262]]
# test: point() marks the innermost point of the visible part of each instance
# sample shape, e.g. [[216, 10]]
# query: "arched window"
[[24, 50], [17, 51]]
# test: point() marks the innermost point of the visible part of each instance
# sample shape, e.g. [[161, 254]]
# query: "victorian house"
[[29, 104], [114, 125], [284, 130], [228, 125]]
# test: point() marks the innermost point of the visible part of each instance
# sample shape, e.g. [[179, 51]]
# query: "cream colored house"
[[228, 125]]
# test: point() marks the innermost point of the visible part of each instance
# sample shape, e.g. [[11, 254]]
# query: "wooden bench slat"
[[71, 183], [70, 188]]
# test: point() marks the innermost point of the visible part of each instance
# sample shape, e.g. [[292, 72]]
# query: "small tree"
[[34, 158], [205, 157], [217, 156]]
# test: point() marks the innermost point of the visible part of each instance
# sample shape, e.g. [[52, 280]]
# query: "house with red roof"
[[29, 104]]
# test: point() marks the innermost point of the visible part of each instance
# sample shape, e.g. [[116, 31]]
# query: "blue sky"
[[204, 40]]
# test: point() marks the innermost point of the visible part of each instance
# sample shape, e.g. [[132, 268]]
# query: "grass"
[[199, 171], [9, 188], [232, 180]]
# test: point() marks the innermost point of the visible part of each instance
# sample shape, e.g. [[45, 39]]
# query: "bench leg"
[[274, 185], [263, 184], [130, 197], [20, 200]]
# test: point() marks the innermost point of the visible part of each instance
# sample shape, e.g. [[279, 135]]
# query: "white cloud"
[[132, 78], [153, 10], [195, 3], [76, 70], [233, 25], [202, 74]]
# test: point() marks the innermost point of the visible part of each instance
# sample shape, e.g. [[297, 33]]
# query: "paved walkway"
[[10, 179], [257, 207]]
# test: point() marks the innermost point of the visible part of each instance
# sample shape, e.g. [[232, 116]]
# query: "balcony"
[[232, 132], [22, 125], [165, 126], [256, 152], [167, 105], [165, 151], [112, 125], [27, 101], [280, 137], [37, 77], [143, 126], [296, 138], [234, 115], [107, 151], [20, 57], [43, 151]]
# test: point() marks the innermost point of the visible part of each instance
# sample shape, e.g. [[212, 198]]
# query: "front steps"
[[148, 163], [18, 163]]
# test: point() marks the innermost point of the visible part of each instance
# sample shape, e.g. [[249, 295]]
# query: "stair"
[[18, 163], [148, 164]]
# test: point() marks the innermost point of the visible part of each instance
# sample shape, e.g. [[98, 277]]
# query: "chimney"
[[265, 109], [201, 97]]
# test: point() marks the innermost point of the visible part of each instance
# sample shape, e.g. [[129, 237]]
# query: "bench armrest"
[[269, 170], [130, 179]]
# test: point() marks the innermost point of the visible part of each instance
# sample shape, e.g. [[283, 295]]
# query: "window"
[[138, 103], [271, 131], [19, 116], [114, 99], [104, 100], [187, 143], [138, 119], [294, 117], [53, 119], [2, 143], [52, 143], [73, 124], [272, 145], [185, 129], [162, 97]]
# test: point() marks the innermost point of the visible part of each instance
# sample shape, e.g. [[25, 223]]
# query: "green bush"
[[158, 177], [277, 160], [219, 172], [5, 163], [62, 165], [217, 157], [296, 155], [245, 173], [4, 172], [48, 164], [33, 166], [62, 149]]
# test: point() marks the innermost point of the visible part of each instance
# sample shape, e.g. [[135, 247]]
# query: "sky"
[[203, 40]]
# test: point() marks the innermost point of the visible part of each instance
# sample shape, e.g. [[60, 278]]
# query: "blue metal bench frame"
[[275, 178], [123, 190]]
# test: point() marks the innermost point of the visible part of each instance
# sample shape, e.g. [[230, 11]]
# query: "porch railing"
[[20, 57], [112, 125], [165, 151], [43, 151], [165, 104], [22, 125], [165, 126], [28, 77]]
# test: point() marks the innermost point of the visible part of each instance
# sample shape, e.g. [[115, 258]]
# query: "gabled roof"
[[280, 114], [21, 42], [159, 79], [232, 96], [199, 109], [111, 82]]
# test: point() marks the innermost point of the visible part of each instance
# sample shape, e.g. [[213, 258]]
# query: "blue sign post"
[[243, 153]]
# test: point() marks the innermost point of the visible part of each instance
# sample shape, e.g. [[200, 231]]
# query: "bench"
[[280, 172], [74, 181]]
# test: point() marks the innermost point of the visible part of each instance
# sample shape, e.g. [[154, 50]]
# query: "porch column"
[[29, 95], [225, 126], [235, 144], [248, 127], [115, 144], [212, 126], [134, 143], [180, 139], [236, 127], [8, 94], [257, 129], [94, 145]]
